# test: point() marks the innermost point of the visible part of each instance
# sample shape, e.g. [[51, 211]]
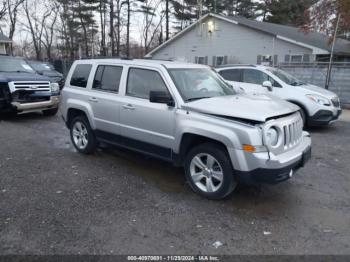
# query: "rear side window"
[[107, 78], [142, 81], [231, 74], [81, 75]]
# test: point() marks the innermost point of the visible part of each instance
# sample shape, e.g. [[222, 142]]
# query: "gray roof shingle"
[[311, 38], [4, 39]]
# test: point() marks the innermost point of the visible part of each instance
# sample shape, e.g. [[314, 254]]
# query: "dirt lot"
[[56, 201]]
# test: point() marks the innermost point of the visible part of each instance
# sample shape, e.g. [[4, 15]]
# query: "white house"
[[217, 40], [4, 44]]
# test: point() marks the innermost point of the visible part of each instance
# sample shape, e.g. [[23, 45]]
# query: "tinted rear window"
[[231, 74], [107, 78], [80, 75]]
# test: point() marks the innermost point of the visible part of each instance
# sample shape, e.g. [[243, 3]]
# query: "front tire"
[[82, 135], [209, 171]]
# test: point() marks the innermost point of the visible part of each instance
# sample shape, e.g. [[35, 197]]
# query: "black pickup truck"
[[22, 90]]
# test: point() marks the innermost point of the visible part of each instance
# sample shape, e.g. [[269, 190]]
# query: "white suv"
[[185, 114], [318, 106]]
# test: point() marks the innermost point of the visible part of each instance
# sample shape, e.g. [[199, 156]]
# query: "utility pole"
[[329, 71], [128, 31], [200, 8]]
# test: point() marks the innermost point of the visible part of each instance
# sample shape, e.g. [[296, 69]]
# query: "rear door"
[[105, 99], [146, 126]]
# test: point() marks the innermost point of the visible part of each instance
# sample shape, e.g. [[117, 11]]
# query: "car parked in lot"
[[318, 106], [185, 114], [22, 90], [47, 69]]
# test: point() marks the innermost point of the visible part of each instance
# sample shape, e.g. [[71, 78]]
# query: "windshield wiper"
[[197, 98]]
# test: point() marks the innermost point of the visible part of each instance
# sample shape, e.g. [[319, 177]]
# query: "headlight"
[[55, 88], [272, 136], [319, 100]]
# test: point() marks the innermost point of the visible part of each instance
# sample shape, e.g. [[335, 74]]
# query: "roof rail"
[[220, 66], [108, 57]]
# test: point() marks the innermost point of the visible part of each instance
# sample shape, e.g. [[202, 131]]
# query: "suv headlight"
[[55, 88], [272, 136], [319, 100]]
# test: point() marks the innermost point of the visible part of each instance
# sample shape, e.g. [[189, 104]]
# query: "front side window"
[[231, 74], [198, 83], [81, 75], [285, 77], [142, 81], [253, 76], [107, 78]]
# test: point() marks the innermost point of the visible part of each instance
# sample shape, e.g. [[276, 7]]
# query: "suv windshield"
[[12, 64], [285, 77], [41, 66], [199, 83]]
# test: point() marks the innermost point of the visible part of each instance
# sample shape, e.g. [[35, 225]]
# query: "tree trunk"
[[167, 20], [111, 25]]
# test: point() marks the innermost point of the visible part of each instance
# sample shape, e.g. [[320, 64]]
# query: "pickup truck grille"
[[32, 86]]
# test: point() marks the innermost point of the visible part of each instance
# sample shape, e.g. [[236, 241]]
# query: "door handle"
[[129, 107], [93, 99]]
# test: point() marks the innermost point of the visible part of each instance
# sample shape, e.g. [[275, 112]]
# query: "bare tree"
[[12, 7], [49, 30], [36, 23], [3, 9], [102, 11]]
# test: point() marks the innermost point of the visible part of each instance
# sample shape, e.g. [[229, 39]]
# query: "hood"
[[6, 77], [312, 89], [243, 106], [51, 73]]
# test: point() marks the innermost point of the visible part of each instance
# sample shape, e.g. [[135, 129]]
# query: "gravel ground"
[[56, 201]]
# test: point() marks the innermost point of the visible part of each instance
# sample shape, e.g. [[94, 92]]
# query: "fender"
[[83, 106]]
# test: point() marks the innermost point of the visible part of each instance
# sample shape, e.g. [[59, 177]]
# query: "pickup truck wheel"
[[82, 136], [209, 171], [50, 112]]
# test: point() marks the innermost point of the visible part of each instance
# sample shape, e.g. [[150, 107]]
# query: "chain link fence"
[[315, 73]]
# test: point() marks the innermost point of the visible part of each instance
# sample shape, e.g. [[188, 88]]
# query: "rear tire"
[[82, 135], [50, 112], [209, 171]]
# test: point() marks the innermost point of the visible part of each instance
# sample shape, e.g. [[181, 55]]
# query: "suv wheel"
[[82, 136], [209, 171]]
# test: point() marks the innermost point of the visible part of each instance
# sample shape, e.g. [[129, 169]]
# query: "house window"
[[220, 60], [201, 60], [296, 58]]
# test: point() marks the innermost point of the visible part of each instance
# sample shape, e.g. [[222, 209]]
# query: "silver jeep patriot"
[[185, 114]]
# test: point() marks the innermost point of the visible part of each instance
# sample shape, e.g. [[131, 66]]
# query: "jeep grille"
[[290, 129]]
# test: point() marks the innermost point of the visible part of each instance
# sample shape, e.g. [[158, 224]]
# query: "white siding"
[[239, 43]]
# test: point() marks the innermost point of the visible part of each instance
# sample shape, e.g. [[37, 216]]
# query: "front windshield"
[[41, 66], [285, 77], [199, 83], [11, 64]]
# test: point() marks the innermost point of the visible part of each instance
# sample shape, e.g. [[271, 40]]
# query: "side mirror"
[[268, 85], [161, 97]]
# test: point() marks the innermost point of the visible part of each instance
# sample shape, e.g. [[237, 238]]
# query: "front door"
[[146, 126]]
